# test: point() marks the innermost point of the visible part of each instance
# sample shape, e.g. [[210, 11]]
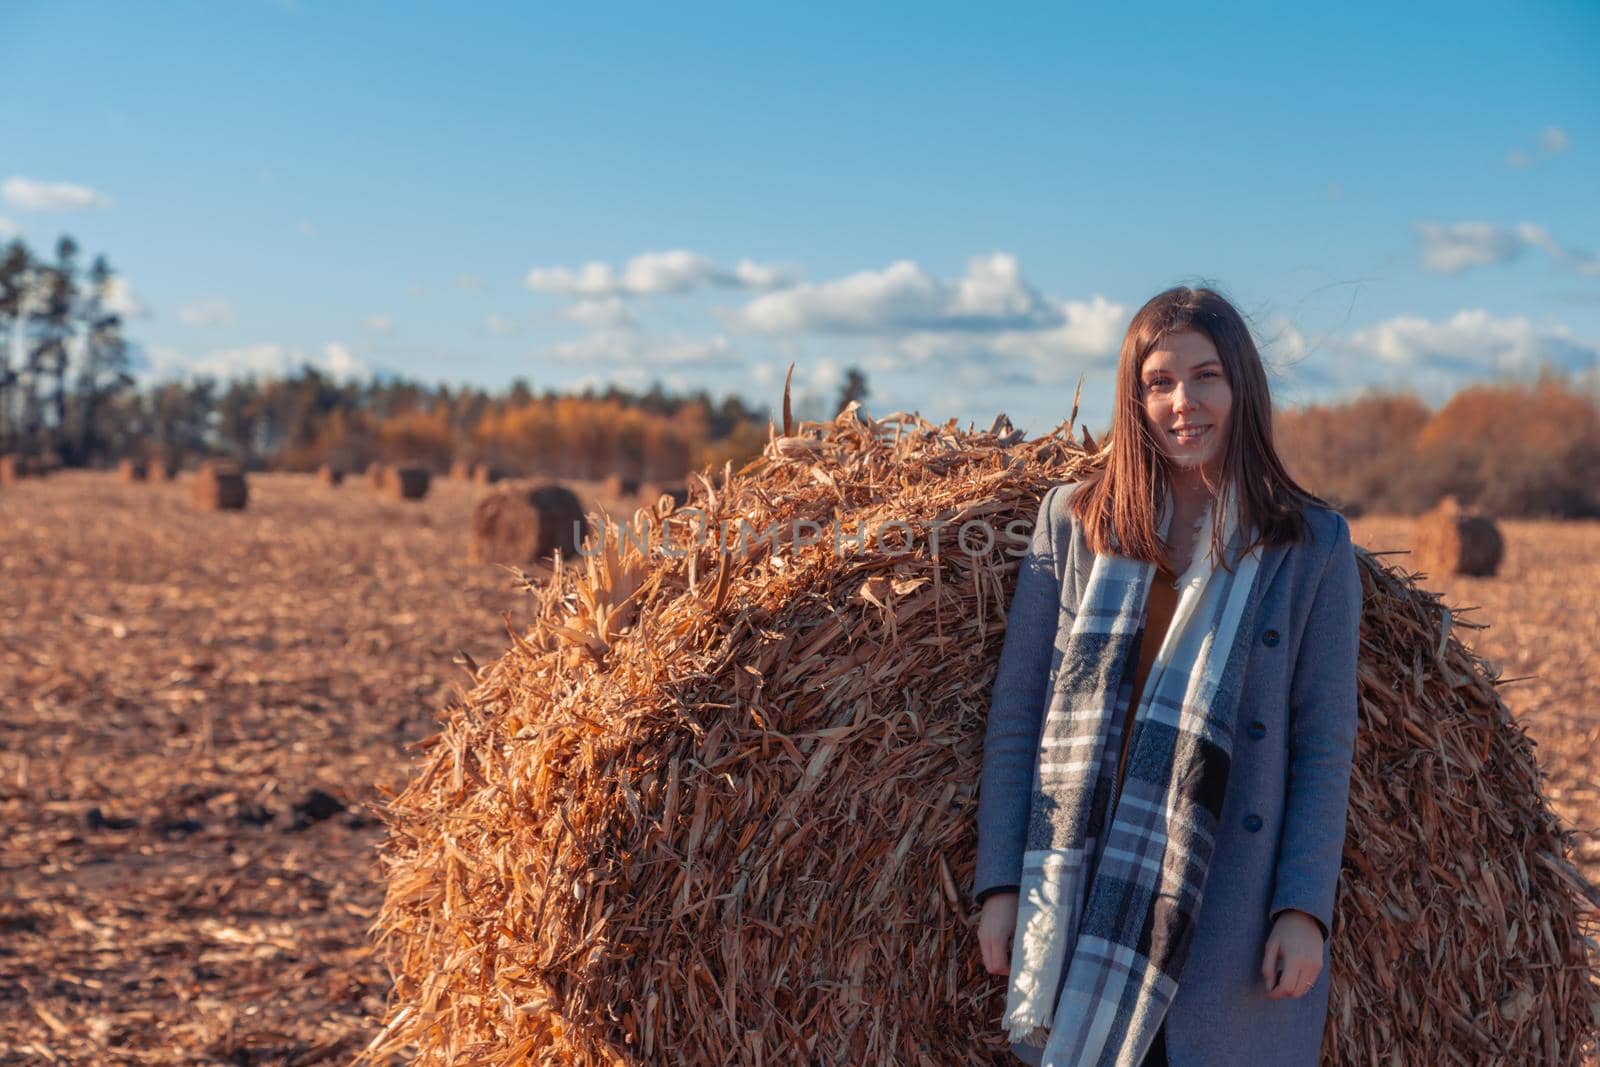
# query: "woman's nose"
[[1180, 399]]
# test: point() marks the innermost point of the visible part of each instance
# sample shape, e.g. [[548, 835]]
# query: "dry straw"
[[220, 487], [651, 492], [1452, 540], [522, 524], [719, 808]]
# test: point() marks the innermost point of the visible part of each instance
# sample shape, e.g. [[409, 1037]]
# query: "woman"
[[1167, 760]]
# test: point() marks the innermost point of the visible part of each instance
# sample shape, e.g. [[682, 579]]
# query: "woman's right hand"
[[997, 923]]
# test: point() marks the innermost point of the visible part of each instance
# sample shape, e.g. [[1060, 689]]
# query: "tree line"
[[64, 361], [1523, 450], [68, 395]]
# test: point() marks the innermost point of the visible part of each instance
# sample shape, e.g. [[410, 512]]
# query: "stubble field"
[[196, 710]]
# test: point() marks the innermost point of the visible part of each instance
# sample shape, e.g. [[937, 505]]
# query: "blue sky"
[[969, 203]]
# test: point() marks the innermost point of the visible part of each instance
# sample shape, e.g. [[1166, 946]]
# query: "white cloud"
[[307, 228], [1473, 343], [629, 347], [608, 311], [379, 323], [991, 296], [207, 313], [119, 298], [1433, 358], [32, 195], [1450, 248], [1553, 141], [500, 326], [338, 361], [652, 273], [766, 374], [260, 361], [753, 275]]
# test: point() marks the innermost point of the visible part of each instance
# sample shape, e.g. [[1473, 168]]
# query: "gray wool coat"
[[1283, 817]]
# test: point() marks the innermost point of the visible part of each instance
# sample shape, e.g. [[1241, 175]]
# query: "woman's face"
[[1183, 386]]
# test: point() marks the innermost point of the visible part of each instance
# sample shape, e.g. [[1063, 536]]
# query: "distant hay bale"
[[519, 525], [484, 474], [330, 476], [460, 471], [220, 487], [14, 468], [617, 485], [717, 806], [163, 469], [406, 483], [1453, 540], [376, 473], [132, 470]]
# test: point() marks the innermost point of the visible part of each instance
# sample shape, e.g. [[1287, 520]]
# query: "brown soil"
[[195, 710]]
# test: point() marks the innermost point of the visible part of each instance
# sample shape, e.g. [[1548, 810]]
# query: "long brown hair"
[[1119, 497]]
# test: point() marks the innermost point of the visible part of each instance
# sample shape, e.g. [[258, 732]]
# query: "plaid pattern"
[[1106, 913]]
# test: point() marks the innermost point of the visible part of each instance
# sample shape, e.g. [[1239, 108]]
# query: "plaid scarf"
[[1106, 914]]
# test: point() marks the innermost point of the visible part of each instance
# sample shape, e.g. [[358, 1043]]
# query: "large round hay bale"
[[330, 476], [521, 524], [717, 805], [1453, 540], [132, 470], [406, 483], [220, 486]]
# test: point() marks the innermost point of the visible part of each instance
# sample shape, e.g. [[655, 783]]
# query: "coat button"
[[1257, 729], [1252, 822], [1270, 639]]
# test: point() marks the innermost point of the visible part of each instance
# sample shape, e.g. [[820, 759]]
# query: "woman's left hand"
[[1295, 945]]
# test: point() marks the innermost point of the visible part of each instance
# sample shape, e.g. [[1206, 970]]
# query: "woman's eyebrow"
[[1152, 371]]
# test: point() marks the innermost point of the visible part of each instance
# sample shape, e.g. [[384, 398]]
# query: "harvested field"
[[195, 714], [1542, 622], [196, 711]]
